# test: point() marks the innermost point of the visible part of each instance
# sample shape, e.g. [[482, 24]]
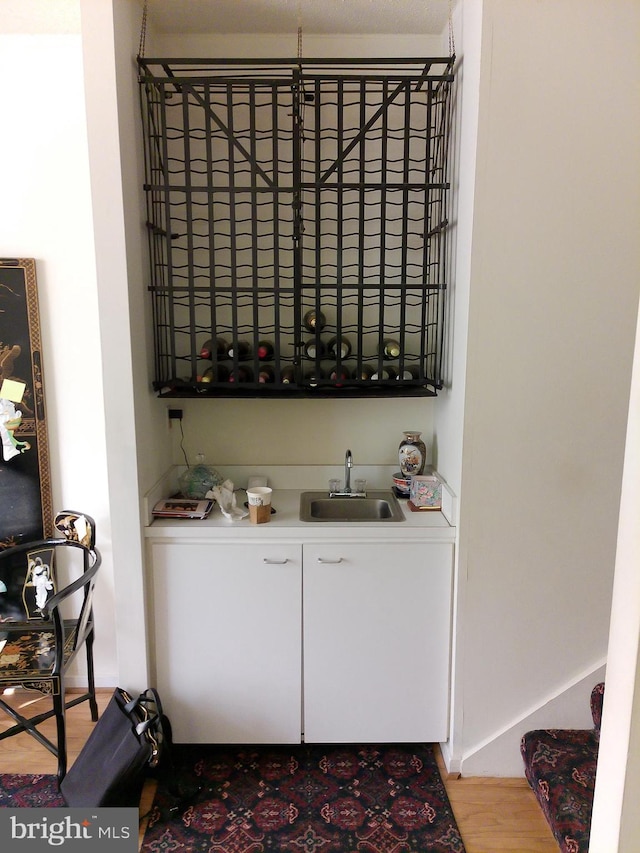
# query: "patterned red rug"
[[303, 799], [22, 791], [300, 799]]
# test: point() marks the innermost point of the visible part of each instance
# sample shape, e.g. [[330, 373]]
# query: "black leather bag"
[[129, 741]]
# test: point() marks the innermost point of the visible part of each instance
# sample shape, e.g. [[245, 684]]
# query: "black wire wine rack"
[[276, 188]]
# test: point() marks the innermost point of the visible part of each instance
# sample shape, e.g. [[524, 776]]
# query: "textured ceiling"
[[39, 16], [322, 17], [285, 16]]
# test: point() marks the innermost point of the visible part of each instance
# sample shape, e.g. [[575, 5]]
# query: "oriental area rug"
[[291, 799], [29, 791], [302, 799]]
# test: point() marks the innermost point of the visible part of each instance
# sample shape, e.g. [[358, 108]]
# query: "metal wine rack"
[[276, 187]]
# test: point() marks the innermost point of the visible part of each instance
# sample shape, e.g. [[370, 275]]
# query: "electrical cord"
[[184, 453]]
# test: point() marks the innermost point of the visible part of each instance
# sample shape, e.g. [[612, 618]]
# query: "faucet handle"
[[360, 486]]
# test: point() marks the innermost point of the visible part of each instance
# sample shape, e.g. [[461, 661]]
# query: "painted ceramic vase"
[[412, 454]]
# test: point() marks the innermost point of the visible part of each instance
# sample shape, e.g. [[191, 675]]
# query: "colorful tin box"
[[426, 492]]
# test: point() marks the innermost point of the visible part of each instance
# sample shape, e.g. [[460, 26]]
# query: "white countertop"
[[285, 524]]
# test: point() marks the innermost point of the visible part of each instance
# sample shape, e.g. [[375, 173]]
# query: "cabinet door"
[[377, 626], [227, 632]]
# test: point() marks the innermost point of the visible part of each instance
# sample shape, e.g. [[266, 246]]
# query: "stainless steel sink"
[[377, 506]]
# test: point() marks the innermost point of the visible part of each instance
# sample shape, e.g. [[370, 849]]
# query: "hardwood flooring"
[[493, 815], [498, 815]]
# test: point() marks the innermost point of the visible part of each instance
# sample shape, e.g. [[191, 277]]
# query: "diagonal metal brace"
[[222, 126], [363, 130]]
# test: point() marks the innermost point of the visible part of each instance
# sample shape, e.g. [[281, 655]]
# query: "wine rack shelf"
[[279, 187]]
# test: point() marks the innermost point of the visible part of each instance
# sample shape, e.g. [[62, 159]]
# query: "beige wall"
[[299, 432], [555, 274]]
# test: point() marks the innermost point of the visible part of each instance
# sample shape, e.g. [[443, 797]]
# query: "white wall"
[[46, 214], [554, 292], [152, 439], [110, 32], [616, 819], [450, 410]]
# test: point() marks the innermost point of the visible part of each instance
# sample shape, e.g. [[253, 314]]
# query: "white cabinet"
[[227, 637], [377, 626], [230, 622]]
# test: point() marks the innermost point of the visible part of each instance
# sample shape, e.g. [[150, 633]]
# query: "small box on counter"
[[425, 492]]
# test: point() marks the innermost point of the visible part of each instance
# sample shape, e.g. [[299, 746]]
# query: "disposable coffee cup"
[[259, 500]]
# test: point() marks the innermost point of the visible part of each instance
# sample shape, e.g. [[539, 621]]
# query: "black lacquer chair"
[[43, 627]]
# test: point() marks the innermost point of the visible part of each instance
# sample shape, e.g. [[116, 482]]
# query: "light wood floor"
[[493, 815]]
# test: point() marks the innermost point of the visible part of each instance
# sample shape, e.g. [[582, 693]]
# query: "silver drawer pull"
[[330, 562], [275, 562]]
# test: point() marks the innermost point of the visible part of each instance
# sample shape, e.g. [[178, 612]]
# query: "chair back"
[[77, 526], [28, 579], [29, 583]]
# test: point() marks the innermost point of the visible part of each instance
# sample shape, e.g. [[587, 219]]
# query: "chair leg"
[[60, 710], [29, 725], [91, 678]]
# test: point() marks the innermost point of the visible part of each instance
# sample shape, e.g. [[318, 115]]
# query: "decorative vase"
[[412, 454]]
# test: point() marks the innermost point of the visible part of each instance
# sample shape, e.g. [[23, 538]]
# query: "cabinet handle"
[[275, 562], [330, 562]]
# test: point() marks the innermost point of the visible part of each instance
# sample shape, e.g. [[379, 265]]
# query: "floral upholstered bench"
[[560, 766]]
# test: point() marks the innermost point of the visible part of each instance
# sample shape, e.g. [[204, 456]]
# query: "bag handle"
[[150, 725]]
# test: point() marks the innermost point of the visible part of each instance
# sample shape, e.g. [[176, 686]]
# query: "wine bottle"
[[365, 372], [266, 374], [242, 374], [385, 373], [390, 348], [341, 347], [240, 350], [221, 347], [314, 321], [288, 375], [265, 350], [314, 349], [219, 373], [312, 377], [339, 375], [409, 373]]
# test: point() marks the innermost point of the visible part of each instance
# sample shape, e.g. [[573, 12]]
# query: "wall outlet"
[[175, 414]]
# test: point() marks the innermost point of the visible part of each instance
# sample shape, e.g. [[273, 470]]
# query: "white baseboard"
[[453, 765], [105, 681], [567, 708]]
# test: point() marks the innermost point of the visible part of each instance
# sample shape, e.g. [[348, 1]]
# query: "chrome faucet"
[[347, 492], [348, 465]]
